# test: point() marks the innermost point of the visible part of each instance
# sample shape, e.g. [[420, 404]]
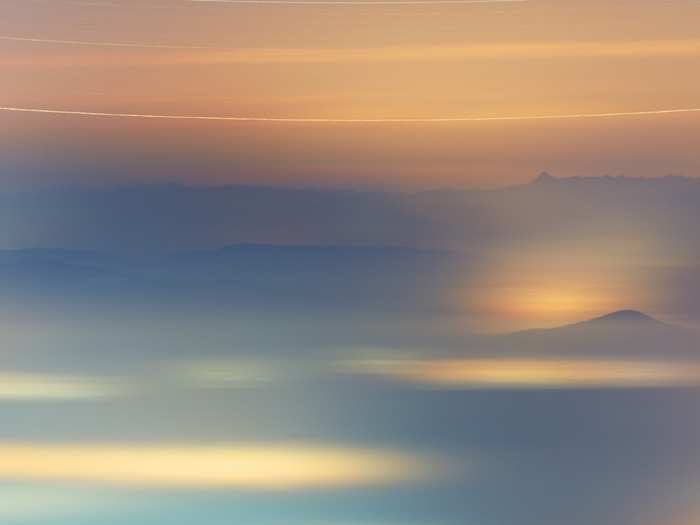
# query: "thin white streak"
[[98, 44], [321, 120]]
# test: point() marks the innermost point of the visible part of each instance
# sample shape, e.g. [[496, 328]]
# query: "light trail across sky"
[[323, 120], [91, 43]]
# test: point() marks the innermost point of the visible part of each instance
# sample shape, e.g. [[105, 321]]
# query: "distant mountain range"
[[347, 250], [550, 208], [167, 218]]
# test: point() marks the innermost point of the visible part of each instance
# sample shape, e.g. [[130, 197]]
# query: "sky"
[[469, 60], [349, 262]]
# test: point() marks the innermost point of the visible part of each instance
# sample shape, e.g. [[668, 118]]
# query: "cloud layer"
[[255, 467]]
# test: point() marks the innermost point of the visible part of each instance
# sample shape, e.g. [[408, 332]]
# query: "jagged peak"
[[547, 178], [544, 178]]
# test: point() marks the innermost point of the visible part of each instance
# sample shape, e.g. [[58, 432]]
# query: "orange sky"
[[342, 62]]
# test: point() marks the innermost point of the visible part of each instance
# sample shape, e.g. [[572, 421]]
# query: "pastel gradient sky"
[[265, 262], [536, 57]]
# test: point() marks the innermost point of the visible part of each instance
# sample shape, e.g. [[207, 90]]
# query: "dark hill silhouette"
[[544, 178], [624, 316], [614, 321], [622, 333]]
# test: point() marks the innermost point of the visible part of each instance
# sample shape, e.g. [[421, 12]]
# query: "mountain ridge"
[[621, 318], [621, 333]]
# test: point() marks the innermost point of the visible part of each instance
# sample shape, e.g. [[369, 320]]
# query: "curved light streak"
[[97, 44], [322, 120]]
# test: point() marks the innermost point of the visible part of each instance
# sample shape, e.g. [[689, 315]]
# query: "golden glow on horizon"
[[548, 303], [560, 303], [256, 467], [555, 280], [538, 373]]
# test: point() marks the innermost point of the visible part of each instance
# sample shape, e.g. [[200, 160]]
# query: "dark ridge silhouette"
[[625, 316], [617, 320], [547, 178], [139, 219], [619, 333], [544, 178]]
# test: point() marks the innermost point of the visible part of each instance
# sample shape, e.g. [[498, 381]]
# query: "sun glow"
[[553, 304]]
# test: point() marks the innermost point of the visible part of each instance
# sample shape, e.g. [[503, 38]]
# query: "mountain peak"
[[544, 178], [624, 316], [613, 321]]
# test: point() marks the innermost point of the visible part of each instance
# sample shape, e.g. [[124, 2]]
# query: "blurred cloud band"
[[256, 467], [532, 373]]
